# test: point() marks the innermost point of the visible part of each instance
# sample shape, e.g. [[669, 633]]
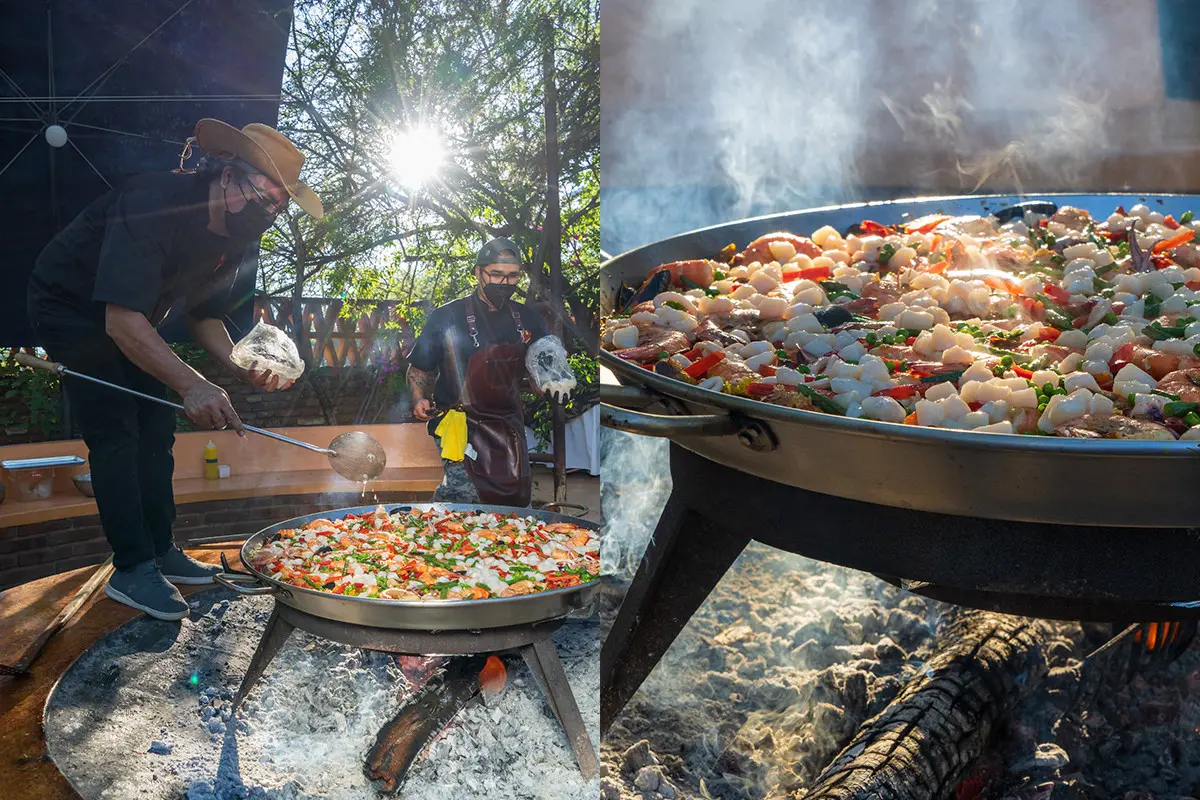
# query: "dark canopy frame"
[[127, 80]]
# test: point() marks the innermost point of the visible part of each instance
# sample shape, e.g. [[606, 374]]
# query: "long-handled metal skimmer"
[[354, 455]]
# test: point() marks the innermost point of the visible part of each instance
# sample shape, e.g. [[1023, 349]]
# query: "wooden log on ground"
[[924, 743]]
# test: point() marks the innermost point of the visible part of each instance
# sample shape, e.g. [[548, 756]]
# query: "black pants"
[[129, 440]]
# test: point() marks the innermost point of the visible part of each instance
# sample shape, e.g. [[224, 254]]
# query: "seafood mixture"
[[431, 555], [1033, 320]]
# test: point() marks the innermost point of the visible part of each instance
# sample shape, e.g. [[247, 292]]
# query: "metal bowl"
[[995, 476], [84, 484]]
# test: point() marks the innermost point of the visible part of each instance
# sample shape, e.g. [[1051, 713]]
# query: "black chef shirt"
[[445, 343], [144, 245]]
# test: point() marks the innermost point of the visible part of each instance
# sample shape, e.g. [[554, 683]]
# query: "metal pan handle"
[[237, 581], [639, 422]]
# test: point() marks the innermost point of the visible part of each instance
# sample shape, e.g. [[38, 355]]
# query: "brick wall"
[[29, 552], [346, 389]]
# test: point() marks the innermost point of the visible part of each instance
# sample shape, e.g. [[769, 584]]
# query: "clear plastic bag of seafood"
[[267, 347], [546, 361]]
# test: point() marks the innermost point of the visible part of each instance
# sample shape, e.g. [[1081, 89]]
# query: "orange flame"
[[493, 676]]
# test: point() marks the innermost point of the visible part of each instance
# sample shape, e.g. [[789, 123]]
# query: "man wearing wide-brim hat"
[[158, 247]]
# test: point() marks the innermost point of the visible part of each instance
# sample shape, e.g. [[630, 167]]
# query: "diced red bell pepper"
[[1048, 334], [911, 419], [1193, 285], [766, 370], [814, 273], [874, 228], [974, 406], [925, 224], [1170, 222], [1167, 244], [1121, 210], [693, 354], [1118, 308], [699, 368], [760, 389], [1121, 357], [1021, 372], [1079, 322], [910, 341], [1058, 294], [899, 392]]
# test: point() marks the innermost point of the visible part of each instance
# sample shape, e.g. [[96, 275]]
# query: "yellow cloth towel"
[[453, 432]]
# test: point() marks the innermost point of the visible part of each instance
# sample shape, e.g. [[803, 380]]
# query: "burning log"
[[430, 711], [923, 744]]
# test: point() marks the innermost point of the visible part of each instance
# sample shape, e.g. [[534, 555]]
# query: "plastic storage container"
[[33, 478]]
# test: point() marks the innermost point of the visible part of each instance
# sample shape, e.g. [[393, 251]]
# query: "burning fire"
[[492, 678]]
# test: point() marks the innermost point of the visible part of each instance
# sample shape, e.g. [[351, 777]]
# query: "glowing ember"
[[492, 677]]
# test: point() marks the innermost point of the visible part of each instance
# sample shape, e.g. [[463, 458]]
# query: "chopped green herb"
[[1177, 409], [944, 377], [1192, 419], [803, 369], [1186, 218], [718, 275], [886, 252], [1152, 308], [820, 401], [675, 304], [1167, 395]]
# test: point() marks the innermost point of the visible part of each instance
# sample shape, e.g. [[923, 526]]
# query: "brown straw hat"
[[265, 149]]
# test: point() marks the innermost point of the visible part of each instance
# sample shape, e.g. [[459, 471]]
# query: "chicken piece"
[[1076, 219], [519, 588], [653, 340], [395, 593], [1113, 426], [783, 396], [1182, 382], [731, 371]]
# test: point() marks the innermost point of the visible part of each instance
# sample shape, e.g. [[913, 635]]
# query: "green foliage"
[[361, 71], [31, 396], [537, 409]]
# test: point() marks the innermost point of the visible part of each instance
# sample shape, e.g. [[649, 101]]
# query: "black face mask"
[[498, 293], [249, 224]]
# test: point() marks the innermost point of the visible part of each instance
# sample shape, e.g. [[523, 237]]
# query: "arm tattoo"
[[421, 382]]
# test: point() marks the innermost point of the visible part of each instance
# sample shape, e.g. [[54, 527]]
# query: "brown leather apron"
[[495, 421]]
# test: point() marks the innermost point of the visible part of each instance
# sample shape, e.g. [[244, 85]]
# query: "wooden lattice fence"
[[378, 334]]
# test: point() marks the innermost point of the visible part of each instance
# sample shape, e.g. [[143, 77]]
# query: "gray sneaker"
[[180, 568], [144, 588]]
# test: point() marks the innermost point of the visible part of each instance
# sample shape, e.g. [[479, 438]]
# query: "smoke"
[[634, 487], [715, 111]]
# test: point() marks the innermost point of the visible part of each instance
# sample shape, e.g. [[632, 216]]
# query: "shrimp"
[[760, 249], [580, 539], [696, 274]]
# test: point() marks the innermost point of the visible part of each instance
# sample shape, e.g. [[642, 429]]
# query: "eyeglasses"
[[267, 204], [502, 277]]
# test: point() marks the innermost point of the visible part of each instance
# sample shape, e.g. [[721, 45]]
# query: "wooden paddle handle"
[[28, 360]]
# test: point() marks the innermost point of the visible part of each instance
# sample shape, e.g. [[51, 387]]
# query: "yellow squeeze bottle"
[[212, 470]]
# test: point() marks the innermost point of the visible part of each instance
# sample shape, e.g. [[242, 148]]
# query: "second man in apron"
[[465, 373]]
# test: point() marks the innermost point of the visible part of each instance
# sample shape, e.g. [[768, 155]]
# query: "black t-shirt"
[[144, 245], [445, 343]]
